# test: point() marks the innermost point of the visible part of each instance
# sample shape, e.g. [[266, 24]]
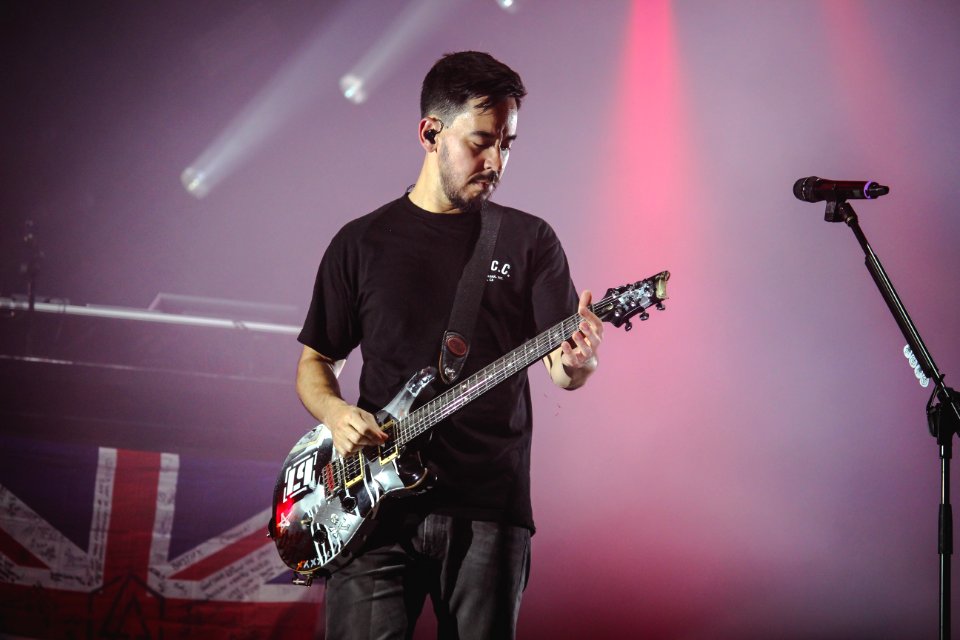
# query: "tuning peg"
[[660, 306], [627, 325], [644, 316]]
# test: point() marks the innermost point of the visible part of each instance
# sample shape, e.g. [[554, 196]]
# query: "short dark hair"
[[457, 78]]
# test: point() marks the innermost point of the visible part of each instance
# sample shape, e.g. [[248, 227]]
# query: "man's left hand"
[[586, 340]]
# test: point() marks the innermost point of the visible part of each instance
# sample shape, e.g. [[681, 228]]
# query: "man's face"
[[473, 152]]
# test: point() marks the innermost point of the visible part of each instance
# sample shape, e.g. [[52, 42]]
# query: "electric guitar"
[[325, 504]]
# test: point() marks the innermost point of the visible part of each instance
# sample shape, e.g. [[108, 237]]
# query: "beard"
[[455, 187]]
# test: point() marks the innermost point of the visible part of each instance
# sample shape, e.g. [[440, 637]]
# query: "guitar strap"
[[463, 318]]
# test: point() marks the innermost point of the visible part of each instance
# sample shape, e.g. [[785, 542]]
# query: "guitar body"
[[325, 506]]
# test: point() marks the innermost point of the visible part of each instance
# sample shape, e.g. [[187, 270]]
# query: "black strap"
[[456, 339]]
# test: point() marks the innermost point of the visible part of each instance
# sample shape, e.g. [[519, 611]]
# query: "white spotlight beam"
[[418, 17], [294, 88]]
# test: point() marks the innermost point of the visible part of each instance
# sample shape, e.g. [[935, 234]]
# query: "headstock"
[[622, 303]]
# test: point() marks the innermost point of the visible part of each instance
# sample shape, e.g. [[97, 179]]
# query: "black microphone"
[[814, 189]]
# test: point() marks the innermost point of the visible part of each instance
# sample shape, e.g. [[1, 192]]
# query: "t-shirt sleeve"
[[332, 326], [554, 296]]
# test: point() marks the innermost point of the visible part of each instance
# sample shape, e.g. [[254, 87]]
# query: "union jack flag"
[[110, 543]]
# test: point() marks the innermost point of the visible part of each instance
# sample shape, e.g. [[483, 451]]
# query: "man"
[[386, 284]]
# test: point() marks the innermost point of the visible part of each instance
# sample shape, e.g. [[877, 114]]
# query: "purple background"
[[753, 462]]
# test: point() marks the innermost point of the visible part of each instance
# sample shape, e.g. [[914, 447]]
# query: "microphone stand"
[[943, 418]]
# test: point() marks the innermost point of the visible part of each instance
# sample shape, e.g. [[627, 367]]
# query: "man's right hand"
[[353, 429]]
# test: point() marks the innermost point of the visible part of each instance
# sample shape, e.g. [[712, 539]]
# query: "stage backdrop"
[[752, 462]]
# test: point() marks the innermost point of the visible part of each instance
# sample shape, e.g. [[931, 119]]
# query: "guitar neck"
[[465, 392]]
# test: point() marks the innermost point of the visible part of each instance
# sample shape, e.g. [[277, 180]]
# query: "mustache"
[[492, 177]]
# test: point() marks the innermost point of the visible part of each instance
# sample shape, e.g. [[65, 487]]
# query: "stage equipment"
[[199, 375], [814, 189], [943, 418]]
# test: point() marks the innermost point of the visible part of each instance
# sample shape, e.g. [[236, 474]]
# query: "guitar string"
[[482, 381], [473, 387], [445, 405], [479, 383], [435, 410]]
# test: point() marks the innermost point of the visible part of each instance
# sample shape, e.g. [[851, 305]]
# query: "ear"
[[429, 128]]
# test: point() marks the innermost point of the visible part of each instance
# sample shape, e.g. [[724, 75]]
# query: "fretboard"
[[465, 392]]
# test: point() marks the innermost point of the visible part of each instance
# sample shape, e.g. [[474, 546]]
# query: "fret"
[[455, 398]]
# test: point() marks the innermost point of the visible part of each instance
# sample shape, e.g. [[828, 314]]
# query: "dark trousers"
[[474, 572]]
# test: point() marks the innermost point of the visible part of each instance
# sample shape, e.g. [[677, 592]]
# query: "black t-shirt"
[[386, 284]]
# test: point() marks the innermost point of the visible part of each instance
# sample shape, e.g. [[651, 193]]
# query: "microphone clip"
[[839, 211]]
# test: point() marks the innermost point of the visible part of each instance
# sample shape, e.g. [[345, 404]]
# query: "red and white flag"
[[167, 552]]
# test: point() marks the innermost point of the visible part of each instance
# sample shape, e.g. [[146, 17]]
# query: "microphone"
[[814, 189]]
